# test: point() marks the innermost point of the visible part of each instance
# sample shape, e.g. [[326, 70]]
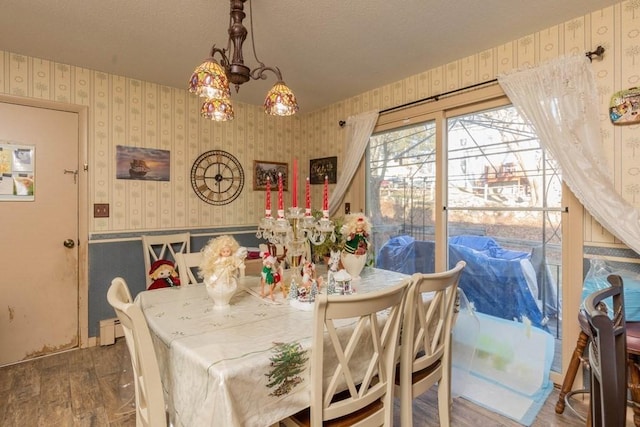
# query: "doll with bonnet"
[[222, 257], [163, 275]]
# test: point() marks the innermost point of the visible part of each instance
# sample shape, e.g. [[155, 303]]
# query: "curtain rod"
[[429, 98], [598, 53]]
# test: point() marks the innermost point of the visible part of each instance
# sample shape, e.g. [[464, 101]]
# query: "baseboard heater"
[[110, 329]]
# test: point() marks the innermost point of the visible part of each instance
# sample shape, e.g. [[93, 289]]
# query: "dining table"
[[244, 365]]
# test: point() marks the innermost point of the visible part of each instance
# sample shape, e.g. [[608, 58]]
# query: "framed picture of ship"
[[148, 164]]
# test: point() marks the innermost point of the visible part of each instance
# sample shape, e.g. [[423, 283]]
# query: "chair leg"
[[595, 411], [444, 402], [406, 407], [572, 371], [634, 387]]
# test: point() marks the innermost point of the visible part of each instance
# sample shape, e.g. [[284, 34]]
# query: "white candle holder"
[[296, 227]]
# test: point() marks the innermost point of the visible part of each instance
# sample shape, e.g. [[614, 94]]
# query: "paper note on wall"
[[17, 171], [6, 184]]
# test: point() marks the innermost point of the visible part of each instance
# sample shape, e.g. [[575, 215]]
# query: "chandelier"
[[211, 79]]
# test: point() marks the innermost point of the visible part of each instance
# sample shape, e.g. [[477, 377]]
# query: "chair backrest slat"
[[425, 355], [150, 409], [188, 265], [355, 344], [163, 247]]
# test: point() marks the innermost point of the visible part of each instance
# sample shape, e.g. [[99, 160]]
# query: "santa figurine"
[[163, 275], [356, 231], [309, 275]]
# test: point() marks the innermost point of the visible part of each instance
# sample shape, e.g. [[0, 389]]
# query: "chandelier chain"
[[253, 39]]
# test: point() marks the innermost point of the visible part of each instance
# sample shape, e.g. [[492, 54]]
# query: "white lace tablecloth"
[[215, 362]]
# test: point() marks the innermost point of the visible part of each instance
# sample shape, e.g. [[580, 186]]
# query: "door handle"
[[74, 172], [69, 243]]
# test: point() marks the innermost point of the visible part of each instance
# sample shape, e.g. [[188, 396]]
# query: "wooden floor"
[[92, 387], [76, 388]]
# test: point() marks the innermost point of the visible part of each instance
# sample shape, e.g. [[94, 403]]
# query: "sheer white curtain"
[[559, 98], [359, 128]]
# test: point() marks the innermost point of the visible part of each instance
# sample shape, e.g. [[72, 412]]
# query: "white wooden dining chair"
[[353, 367], [188, 265], [163, 247], [425, 350], [150, 405]]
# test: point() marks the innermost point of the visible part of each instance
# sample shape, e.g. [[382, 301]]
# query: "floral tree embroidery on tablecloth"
[[287, 362]]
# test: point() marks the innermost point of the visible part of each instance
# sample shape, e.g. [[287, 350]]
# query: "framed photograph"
[[148, 164], [624, 108], [319, 168], [263, 169]]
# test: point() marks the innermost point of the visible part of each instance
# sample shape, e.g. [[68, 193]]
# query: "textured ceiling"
[[327, 50]]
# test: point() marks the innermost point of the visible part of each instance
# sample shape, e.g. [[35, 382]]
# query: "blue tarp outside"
[[494, 279]]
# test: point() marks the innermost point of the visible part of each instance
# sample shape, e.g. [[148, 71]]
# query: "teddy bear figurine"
[[163, 274]]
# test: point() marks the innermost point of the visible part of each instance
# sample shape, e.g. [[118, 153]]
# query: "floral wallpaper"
[[124, 111]]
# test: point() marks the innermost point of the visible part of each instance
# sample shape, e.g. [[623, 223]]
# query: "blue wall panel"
[[122, 256]]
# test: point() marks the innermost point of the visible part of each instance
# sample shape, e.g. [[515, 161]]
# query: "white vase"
[[353, 263], [221, 292]]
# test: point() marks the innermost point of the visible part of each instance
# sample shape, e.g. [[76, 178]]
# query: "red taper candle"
[[267, 199], [280, 199], [325, 194], [307, 198], [294, 196]]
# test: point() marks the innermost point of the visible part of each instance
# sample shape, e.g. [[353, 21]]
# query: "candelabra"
[[296, 227]]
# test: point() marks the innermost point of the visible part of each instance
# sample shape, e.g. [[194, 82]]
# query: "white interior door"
[[39, 303]]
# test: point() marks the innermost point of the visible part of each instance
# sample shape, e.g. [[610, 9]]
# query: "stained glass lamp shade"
[[280, 101]]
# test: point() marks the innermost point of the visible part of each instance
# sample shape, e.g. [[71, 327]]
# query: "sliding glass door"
[[402, 182], [473, 183], [504, 216]]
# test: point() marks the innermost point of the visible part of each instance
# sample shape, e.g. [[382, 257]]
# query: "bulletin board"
[[17, 172]]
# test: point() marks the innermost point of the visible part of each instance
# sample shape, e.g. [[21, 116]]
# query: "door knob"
[[69, 243]]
